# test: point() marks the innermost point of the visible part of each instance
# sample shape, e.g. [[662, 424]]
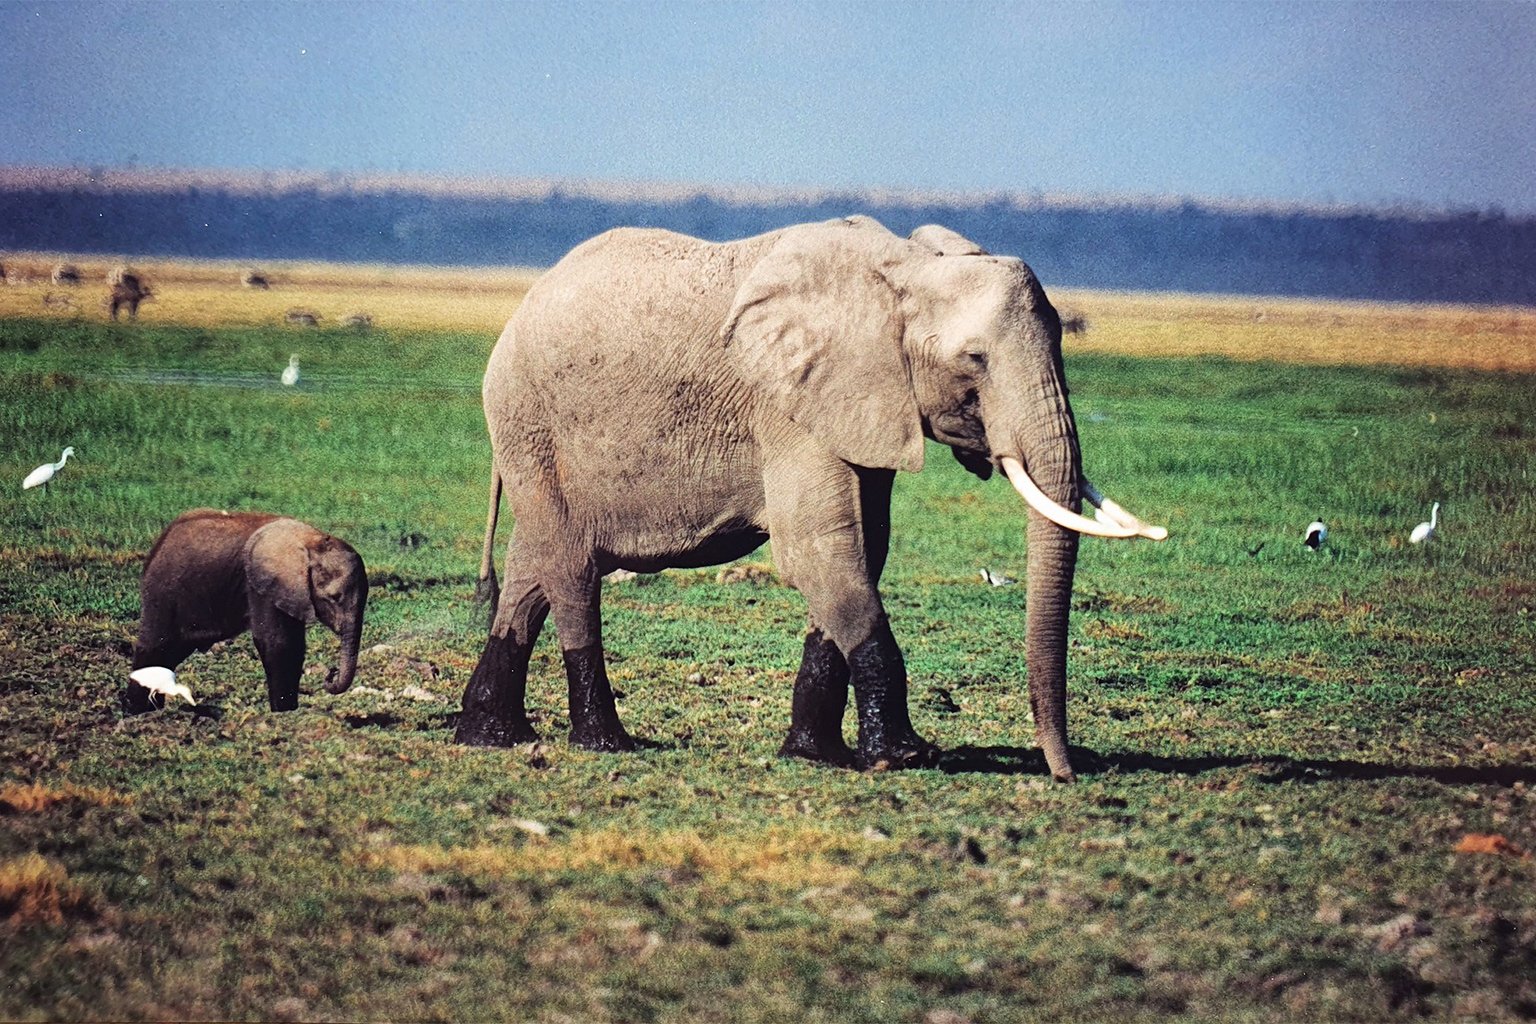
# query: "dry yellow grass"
[[1304, 330], [792, 859], [34, 797], [210, 293], [35, 890], [479, 299]]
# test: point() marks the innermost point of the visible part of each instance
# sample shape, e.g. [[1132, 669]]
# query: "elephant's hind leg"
[[575, 590], [495, 712]]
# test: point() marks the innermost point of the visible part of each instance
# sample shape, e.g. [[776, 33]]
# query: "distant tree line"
[[1376, 255]]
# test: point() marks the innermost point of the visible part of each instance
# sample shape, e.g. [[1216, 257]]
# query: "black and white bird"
[[997, 579], [291, 374], [1424, 531], [44, 473], [1316, 534]]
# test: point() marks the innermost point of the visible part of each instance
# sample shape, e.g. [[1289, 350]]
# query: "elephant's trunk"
[[340, 678], [1055, 466]]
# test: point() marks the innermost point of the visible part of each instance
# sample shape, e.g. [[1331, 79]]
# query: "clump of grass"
[[35, 890], [779, 857], [35, 797]]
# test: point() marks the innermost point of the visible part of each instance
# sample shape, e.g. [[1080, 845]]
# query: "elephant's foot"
[[909, 752], [485, 731], [605, 739], [808, 746], [595, 721]]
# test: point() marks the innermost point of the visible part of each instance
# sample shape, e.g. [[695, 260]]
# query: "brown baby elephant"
[[212, 575]]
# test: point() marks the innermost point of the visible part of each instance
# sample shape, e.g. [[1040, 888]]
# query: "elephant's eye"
[[976, 360]]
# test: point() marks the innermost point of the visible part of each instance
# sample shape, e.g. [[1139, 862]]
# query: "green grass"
[[1280, 751]]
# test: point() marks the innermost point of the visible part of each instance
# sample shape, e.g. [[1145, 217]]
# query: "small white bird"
[[997, 579], [162, 681], [1424, 531], [1315, 535], [291, 374], [44, 473]]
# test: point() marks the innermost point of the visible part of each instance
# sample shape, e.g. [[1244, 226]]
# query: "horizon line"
[[279, 182]]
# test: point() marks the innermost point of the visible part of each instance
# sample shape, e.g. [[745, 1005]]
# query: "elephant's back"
[[202, 536]]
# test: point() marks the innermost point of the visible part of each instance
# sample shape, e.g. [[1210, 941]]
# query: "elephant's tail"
[[487, 589]]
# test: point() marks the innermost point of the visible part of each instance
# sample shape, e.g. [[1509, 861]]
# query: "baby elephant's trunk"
[[339, 679]]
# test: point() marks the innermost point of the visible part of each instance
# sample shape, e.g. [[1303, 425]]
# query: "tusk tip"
[[1155, 533]]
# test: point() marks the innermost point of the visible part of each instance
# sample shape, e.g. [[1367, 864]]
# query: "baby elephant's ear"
[[277, 567], [817, 327]]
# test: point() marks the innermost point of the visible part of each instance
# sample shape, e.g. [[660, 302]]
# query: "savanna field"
[[1308, 780]]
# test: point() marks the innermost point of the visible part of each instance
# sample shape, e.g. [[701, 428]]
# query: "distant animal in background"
[[1316, 534], [301, 318], [66, 274], [1425, 531], [359, 321], [40, 476], [2, 272], [254, 279], [213, 575], [53, 300], [290, 375], [128, 289], [1073, 323]]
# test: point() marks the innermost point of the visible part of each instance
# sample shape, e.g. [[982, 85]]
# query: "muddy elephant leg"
[[821, 687], [495, 712], [574, 590], [830, 528], [280, 643], [816, 711]]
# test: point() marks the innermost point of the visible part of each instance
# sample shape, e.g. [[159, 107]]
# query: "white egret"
[[162, 681], [44, 473], [291, 374], [997, 579], [1424, 531], [1315, 535]]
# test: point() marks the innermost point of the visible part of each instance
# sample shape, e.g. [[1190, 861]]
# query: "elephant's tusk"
[[1037, 499], [1120, 516]]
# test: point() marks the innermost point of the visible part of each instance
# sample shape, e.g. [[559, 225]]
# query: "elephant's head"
[[313, 577], [871, 342]]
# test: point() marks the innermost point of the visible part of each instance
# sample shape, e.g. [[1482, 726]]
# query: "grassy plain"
[[1308, 778]]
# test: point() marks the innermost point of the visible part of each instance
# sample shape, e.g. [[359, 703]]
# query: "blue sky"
[[1431, 104]]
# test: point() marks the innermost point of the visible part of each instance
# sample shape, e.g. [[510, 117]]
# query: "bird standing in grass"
[[161, 680], [1424, 531], [44, 473], [1315, 535], [997, 579], [291, 374]]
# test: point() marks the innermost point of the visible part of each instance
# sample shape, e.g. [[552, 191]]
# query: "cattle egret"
[[44, 473], [162, 681], [1315, 535], [1424, 531], [997, 579], [291, 374]]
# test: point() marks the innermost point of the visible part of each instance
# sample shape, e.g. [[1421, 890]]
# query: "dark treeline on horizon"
[[1465, 257]]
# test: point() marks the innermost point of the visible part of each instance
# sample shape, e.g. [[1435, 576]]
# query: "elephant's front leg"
[[280, 643], [830, 544], [816, 711]]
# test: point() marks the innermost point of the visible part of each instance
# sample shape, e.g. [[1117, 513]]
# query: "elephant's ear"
[[818, 328], [941, 241], [277, 568]]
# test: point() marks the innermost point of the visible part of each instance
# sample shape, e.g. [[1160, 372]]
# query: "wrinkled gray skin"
[[212, 575], [663, 401]]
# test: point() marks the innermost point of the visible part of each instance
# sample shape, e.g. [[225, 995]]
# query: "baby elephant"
[[212, 575]]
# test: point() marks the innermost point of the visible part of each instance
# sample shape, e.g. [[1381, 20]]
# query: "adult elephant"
[[212, 575], [661, 401]]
